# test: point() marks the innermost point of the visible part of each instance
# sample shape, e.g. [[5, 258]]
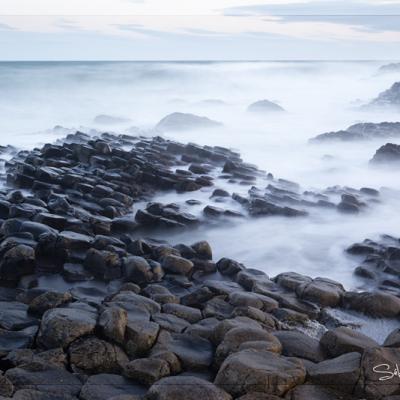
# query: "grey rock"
[[341, 373], [195, 353], [190, 314], [298, 344], [61, 326], [95, 356], [260, 371], [147, 370], [46, 301], [345, 340], [177, 265], [185, 388], [112, 323], [140, 336], [49, 379], [236, 337], [108, 386], [375, 304]]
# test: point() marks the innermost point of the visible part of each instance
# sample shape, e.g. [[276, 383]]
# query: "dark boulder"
[[185, 388], [344, 340], [94, 356], [375, 304], [270, 373], [341, 373], [61, 326], [17, 262], [298, 344]]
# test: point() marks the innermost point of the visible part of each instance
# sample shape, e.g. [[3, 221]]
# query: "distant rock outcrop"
[[389, 68], [390, 97], [361, 131], [104, 119], [263, 106], [387, 154], [184, 121]]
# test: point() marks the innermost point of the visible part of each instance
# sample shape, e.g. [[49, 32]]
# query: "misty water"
[[318, 97]]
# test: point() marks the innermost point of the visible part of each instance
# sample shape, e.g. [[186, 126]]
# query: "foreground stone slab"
[[108, 386], [379, 373], [45, 378], [185, 388], [345, 340], [61, 326], [259, 371], [341, 373]]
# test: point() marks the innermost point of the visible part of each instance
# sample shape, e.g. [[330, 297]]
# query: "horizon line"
[[205, 60]]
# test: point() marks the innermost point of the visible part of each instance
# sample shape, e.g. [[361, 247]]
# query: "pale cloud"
[[189, 7], [197, 25], [120, 7], [173, 22]]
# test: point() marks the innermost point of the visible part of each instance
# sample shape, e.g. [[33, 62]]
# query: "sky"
[[199, 30]]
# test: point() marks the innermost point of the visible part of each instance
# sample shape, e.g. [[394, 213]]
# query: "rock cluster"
[[361, 131], [379, 263], [226, 332], [130, 318]]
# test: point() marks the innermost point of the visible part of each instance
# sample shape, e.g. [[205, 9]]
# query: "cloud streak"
[[132, 26]]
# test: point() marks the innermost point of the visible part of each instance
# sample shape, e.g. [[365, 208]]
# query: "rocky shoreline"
[[92, 310]]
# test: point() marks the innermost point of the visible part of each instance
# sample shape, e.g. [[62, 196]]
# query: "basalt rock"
[[344, 340], [248, 371], [61, 326], [185, 388]]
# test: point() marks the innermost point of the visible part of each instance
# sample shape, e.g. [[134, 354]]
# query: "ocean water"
[[318, 97]]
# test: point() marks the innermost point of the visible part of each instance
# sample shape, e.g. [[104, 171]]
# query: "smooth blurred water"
[[318, 97]]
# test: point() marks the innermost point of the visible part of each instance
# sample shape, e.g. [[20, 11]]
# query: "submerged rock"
[[264, 106], [104, 119], [387, 154], [361, 131], [389, 68], [184, 121], [390, 97]]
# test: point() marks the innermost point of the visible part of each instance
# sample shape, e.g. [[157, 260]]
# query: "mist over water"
[[318, 97]]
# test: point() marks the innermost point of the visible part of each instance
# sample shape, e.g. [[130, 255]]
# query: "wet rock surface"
[[122, 315]]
